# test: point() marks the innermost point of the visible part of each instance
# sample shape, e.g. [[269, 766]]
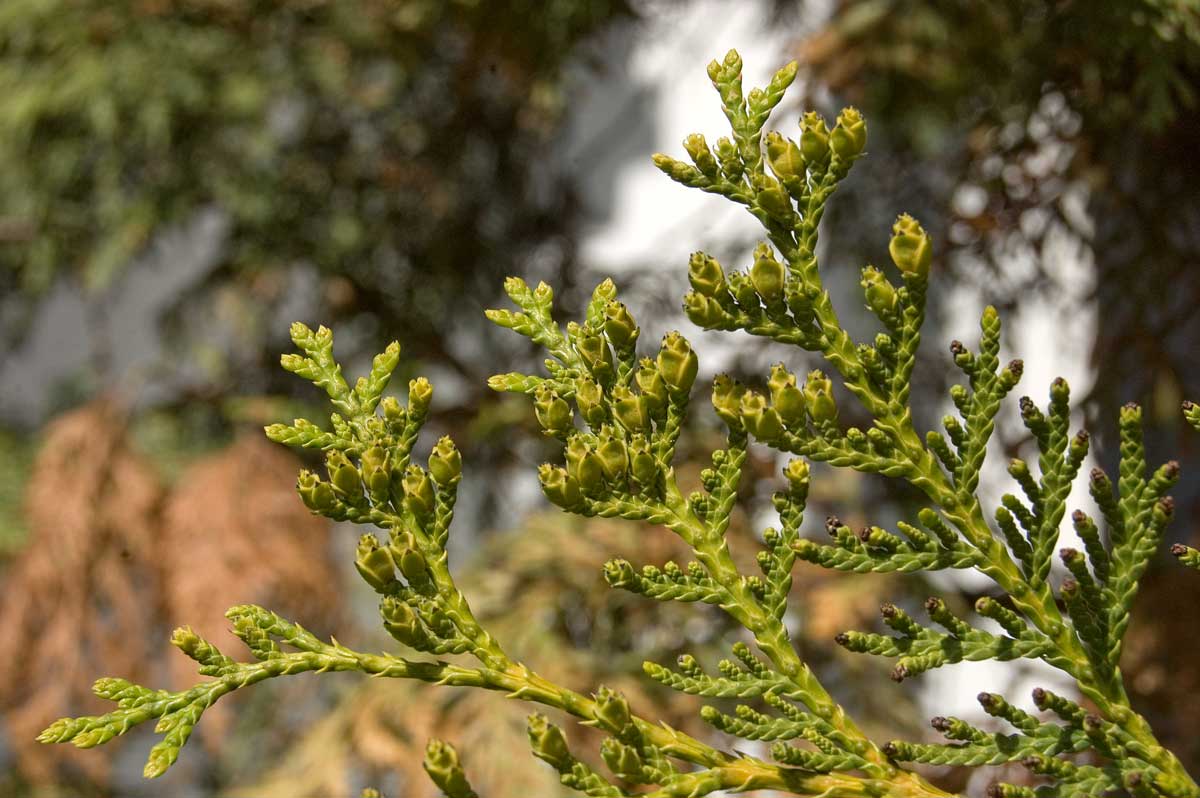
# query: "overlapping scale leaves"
[[618, 411]]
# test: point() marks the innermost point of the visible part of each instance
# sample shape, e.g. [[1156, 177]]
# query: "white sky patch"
[[652, 217]]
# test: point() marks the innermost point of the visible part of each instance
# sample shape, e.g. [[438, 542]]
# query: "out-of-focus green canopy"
[[379, 140]]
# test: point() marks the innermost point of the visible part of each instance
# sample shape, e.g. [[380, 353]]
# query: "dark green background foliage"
[[967, 94], [383, 142]]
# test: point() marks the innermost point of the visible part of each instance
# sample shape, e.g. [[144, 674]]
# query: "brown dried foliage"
[[235, 532], [85, 590], [114, 561]]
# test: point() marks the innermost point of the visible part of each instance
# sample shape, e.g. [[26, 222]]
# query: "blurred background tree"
[[372, 163], [1024, 120], [381, 142]]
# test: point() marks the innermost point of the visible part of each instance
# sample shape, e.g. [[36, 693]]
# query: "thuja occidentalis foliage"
[[618, 410]]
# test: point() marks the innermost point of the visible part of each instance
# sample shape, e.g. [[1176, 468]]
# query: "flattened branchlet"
[[618, 408]]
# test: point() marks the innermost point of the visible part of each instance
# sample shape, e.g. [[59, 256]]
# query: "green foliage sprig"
[[618, 416]]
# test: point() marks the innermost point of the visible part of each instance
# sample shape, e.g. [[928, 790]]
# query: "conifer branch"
[[619, 415]]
